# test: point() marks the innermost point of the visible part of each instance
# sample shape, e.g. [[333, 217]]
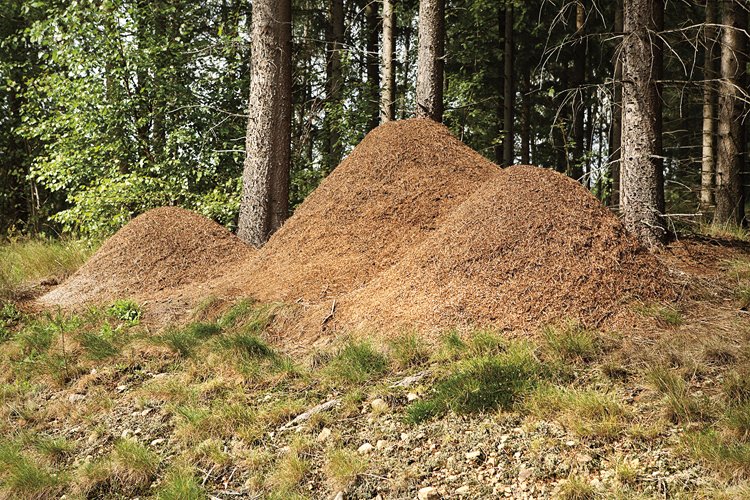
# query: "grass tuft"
[[343, 466], [180, 483], [408, 351], [356, 363], [577, 488], [571, 342], [133, 464], [682, 407]]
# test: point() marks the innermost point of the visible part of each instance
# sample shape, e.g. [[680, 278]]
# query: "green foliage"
[[101, 344], [180, 484], [356, 363], [125, 310], [408, 351], [571, 342]]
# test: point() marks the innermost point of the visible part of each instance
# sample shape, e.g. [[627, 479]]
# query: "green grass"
[[22, 477], [481, 383], [55, 449], [35, 259], [180, 483], [248, 346], [343, 466], [101, 344], [571, 342], [665, 315], [577, 488], [133, 465], [729, 457], [356, 362], [681, 406], [408, 351]]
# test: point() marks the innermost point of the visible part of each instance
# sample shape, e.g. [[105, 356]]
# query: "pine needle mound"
[[161, 249], [394, 190], [530, 246]]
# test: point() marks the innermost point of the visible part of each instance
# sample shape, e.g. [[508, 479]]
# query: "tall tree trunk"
[[579, 77], [508, 93], [526, 117], [334, 83], [729, 199], [616, 128], [642, 170], [430, 59], [407, 35], [500, 108], [373, 64], [708, 160], [265, 194], [388, 93]]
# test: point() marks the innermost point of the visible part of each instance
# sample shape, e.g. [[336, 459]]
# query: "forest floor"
[[98, 405]]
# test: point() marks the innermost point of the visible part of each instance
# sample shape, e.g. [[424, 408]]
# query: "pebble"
[[524, 474], [379, 405], [463, 490], [411, 397], [428, 493], [121, 388], [404, 436], [365, 449], [157, 441], [570, 443], [324, 435], [339, 496], [380, 444], [474, 455], [74, 398]]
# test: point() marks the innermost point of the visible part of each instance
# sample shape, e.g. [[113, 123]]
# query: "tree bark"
[[334, 83], [616, 130], [579, 77], [642, 172], [430, 59], [708, 160], [373, 64], [508, 92], [265, 194], [729, 199], [526, 117], [388, 93], [500, 108]]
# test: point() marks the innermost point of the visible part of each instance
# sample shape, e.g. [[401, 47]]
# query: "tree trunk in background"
[[406, 35], [430, 60], [334, 82], [265, 193], [500, 108], [642, 175], [388, 93], [508, 93], [373, 63], [729, 199], [579, 77], [616, 130], [708, 160], [526, 117]]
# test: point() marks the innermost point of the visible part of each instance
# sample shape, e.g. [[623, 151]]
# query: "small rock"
[[74, 398], [146, 412], [404, 436], [570, 443], [411, 397], [379, 405], [365, 449], [126, 433], [463, 490], [93, 371], [474, 455], [428, 493], [380, 444], [121, 388], [339, 496], [524, 474], [157, 441], [323, 436]]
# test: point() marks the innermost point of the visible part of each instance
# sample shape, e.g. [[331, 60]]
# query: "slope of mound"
[[528, 247], [163, 248], [389, 194]]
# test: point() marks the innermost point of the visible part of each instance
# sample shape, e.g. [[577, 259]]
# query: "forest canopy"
[[112, 107]]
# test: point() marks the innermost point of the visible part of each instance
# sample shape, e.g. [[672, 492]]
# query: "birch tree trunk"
[[430, 59], [388, 92], [265, 194], [642, 179], [708, 160], [729, 199]]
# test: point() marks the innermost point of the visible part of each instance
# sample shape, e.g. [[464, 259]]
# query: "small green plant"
[[738, 419], [408, 351], [743, 297], [202, 330], [357, 362], [486, 343], [180, 483], [571, 342], [101, 344], [180, 340], [55, 449], [125, 310]]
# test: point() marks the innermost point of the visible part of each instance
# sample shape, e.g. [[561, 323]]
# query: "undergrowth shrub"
[[125, 310]]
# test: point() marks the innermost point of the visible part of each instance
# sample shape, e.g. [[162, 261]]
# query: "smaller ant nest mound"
[[164, 248]]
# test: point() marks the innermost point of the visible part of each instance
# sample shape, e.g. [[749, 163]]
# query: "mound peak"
[[163, 248]]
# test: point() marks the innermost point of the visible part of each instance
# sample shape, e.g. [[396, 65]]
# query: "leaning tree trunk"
[[642, 179], [729, 199], [508, 93], [430, 59], [265, 193], [708, 160], [388, 92]]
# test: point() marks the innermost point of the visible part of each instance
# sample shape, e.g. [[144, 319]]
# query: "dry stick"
[[330, 314]]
